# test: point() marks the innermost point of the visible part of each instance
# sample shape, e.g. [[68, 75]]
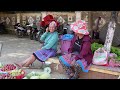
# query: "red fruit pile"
[[7, 76], [8, 67]]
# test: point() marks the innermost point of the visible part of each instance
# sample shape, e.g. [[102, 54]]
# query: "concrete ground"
[[18, 49]]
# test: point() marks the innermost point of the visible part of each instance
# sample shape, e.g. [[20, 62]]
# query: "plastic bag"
[[100, 57], [65, 46], [67, 37]]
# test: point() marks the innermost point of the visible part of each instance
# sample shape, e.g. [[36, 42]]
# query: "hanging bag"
[[66, 43]]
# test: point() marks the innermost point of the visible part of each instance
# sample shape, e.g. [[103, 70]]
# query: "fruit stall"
[[10, 71]]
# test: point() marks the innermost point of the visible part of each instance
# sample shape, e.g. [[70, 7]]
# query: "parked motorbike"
[[64, 29], [33, 33], [20, 31], [29, 29], [39, 33], [3, 28], [67, 29]]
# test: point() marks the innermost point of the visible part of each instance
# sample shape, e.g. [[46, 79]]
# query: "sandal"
[[75, 76], [77, 71], [18, 65], [25, 67]]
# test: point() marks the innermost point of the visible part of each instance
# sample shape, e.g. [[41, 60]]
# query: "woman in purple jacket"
[[82, 55]]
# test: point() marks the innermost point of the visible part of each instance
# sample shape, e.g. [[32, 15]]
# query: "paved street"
[[18, 49]]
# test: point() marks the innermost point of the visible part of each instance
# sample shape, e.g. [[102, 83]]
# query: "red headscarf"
[[47, 19], [42, 23]]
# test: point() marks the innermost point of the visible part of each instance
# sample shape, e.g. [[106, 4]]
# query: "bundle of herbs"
[[115, 50]]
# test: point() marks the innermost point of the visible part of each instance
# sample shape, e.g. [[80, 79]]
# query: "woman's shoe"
[[18, 65]]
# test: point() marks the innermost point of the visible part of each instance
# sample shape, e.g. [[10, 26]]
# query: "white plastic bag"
[[100, 57]]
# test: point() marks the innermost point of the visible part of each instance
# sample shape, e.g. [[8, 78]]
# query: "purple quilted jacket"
[[85, 50]]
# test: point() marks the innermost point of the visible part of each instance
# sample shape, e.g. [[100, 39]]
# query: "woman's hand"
[[47, 29]]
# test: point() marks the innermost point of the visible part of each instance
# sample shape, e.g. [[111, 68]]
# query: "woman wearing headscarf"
[[81, 55]]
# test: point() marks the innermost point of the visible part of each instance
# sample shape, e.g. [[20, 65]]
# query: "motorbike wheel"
[[40, 34], [31, 37], [37, 36], [19, 34]]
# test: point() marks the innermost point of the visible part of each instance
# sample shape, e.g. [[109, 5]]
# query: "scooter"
[[33, 33], [3, 28], [20, 31], [40, 33], [67, 29], [29, 29]]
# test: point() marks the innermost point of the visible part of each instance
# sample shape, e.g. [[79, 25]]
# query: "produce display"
[[115, 50], [6, 76], [95, 46], [1, 65], [47, 70], [19, 74], [10, 71], [37, 75], [45, 76], [14, 74], [8, 67]]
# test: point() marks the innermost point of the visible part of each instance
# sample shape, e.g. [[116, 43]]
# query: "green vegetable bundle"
[[95, 46], [38, 75], [115, 50]]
